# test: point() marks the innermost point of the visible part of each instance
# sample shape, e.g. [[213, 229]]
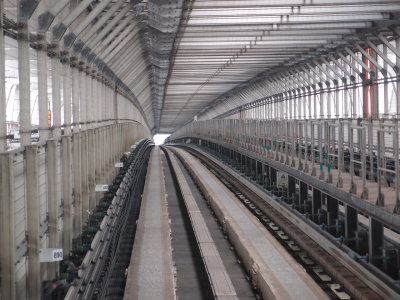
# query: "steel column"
[[303, 196], [75, 98], [350, 223], [77, 182], [67, 96], [3, 127], [398, 85], [53, 200], [66, 193], [375, 242], [34, 281], [7, 236], [56, 96], [332, 207], [42, 91], [24, 82], [84, 176], [82, 100], [316, 201]]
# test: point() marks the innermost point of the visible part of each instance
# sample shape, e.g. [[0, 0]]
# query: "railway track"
[[327, 269], [201, 256], [210, 247], [270, 268]]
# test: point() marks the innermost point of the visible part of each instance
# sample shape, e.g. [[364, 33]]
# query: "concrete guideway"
[[218, 276], [273, 269], [151, 272]]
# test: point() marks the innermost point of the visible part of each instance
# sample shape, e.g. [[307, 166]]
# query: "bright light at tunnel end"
[[160, 138]]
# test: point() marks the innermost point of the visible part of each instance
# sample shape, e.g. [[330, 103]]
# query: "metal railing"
[[362, 152]]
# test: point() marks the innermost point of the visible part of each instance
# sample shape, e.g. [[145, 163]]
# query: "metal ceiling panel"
[[225, 44]]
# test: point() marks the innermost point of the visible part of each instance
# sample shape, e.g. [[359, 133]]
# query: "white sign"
[[127, 153], [101, 188], [282, 179], [119, 165], [51, 254]]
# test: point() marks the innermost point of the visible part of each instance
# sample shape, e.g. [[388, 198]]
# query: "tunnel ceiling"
[[220, 45], [177, 59]]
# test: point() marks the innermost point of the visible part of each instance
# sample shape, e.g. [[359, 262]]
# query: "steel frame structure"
[[113, 71], [48, 187], [330, 84], [234, 53], [356, 157]]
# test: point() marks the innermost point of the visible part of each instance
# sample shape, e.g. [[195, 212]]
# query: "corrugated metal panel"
[[20, 279], [42, 185], [44, 241], [58, 192], [19, 199]]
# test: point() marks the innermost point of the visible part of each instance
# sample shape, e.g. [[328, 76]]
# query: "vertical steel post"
[[33, 222], [115, 105], [321, 101], [381, 163], [396, 165], [340, 155], [67, 95], [320, 150], [316, 201], [66, 193], [82, 99], [329, 98], [370, 128], [346, 104], [291, 186], [315, 102], [385, 85], [363, 149], [303, 196], [353, 187], [56, 95], [84, 175], [397, 83], [354, 107], [75, 98], [88, 99], [53, 197], [7, 236], [375, 242], [24, 81], [91, 154], [77, 182], [82, 168], [76, 155], [3, 127], [103, 103], [42, 90], [332, 210], [350, 223]]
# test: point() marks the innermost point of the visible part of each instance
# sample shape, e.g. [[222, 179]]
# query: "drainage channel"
[[231, 261]]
